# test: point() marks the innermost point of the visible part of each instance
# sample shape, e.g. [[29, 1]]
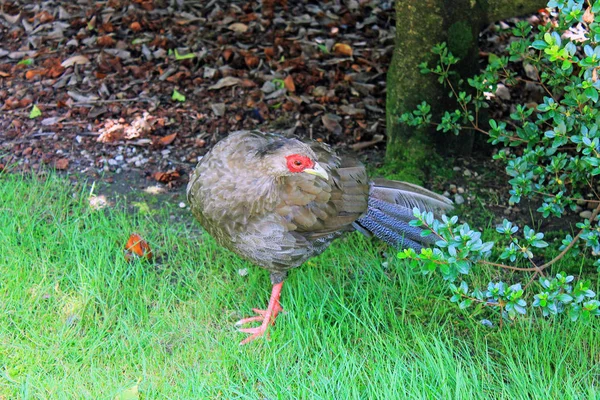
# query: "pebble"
[[112, 162], [578, 209], [467, 173], [458, 199], [461, 190], [587, 214], [503, 92], [182, 205], [119, 157], [456, 169], [452, 188], [446, 193], [581, 202]]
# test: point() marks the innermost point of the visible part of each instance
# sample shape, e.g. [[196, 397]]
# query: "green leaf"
[[35, 112], [27, 61], [178, 96], [187, 56], [591, 93]]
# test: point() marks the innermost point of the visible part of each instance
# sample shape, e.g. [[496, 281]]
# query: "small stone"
[[458, 199], [112, 162], [243, 271], [578, 209], [119, 157], [587, 214], [218, 109], [503, 92], [182, 205], [319, 91], [446, 194], [581, 202], [467, 172], [456, 169], [461, 190], [452, 188], [268, 87]]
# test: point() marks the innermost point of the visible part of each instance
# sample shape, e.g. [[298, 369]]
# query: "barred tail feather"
[[390, 211]]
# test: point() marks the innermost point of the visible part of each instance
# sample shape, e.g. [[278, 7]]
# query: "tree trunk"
[[420, 24]]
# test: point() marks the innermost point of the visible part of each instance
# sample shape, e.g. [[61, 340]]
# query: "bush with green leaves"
[[551, 150]]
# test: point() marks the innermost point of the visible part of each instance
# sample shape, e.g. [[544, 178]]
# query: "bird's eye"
[[297, 163]]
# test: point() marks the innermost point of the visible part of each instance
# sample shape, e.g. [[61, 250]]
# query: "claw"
[[266, 317]]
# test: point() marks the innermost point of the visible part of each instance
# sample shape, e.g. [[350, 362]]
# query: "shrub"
[[550, 149]]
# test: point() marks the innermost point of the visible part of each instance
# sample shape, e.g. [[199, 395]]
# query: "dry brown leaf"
[[135, 26], [79, 59], [62, 164], [342, 49], [289, 83], [588, 16], [331, 122], [166, 177], [106, 41], [238, 27], [32, 73], [136, 247], [225, 82], [4, 74], [251, 61], [167, 140]]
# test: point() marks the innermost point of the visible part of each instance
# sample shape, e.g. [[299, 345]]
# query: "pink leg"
[[266, 316]]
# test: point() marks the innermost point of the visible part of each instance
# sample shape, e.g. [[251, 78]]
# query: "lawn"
[[79, 321]]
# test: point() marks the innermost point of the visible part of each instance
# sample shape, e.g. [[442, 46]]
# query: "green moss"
[[460, 38]]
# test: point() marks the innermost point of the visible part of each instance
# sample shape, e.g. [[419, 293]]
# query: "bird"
[[279, 201]]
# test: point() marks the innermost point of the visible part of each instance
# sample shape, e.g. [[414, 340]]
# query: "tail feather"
[[390, 211]]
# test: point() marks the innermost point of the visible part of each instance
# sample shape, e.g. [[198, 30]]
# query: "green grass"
[[78, 321]]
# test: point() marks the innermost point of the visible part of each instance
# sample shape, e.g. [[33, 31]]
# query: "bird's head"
[[290, 157]]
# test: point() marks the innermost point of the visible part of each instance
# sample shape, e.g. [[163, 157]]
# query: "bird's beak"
[[318, 171]]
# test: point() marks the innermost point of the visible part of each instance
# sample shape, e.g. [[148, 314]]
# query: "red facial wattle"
[[298, 163]]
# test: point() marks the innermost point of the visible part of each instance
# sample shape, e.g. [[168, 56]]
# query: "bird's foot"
[[266, 317]]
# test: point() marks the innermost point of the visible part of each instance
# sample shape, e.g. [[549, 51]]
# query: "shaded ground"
[[104, 76]]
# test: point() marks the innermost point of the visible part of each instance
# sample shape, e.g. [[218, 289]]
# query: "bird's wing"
[[315, 208]]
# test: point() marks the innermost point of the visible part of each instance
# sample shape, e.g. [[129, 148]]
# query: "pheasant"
[[279, 201]]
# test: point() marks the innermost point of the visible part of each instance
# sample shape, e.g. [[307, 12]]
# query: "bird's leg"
[[266, 316]]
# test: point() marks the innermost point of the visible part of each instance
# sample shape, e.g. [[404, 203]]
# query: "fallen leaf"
[[342, 49], [331, 122], [227, 53], [238, 27], [167, 140], [62, 164], [166, 177], [79, 59], [251, 61], [588, 16], [135, 26], [137, 247], [177, 96], [4, 74], [98, 202], [105, 41], [32, 73], [35, 112], [225, 82], [289, 83]]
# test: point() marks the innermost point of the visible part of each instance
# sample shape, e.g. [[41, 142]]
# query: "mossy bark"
[[420, 24]]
